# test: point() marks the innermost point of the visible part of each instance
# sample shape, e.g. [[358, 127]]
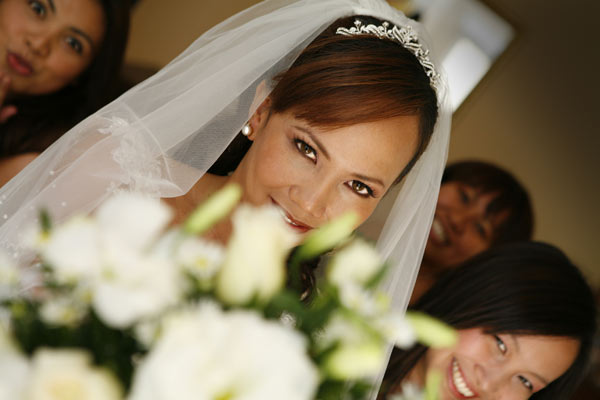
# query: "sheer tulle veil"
[[161, 136]]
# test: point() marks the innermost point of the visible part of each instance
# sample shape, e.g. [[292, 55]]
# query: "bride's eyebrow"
[[316, 141]]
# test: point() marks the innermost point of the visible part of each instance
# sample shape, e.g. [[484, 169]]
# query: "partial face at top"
[[314, 174], [47, 44], [462, 227], [500, 367]]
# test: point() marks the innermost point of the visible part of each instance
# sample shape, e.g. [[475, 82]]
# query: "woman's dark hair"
[[511, 197], [340, 80], [43, 119], [524, 288]]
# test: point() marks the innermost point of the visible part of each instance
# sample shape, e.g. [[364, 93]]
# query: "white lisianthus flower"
[[67, 310], [133, 219], [73, 250], [396, 329], [200, 258], [69, 374], [134, 286], [358, 351], [112, 253], [205, 353], [254, 266], [364, 302], [356, 263]]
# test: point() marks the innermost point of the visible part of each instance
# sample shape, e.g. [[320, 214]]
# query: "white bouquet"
[[125, 306]]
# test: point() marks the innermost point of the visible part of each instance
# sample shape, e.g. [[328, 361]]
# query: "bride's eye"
[[306, 150], [360, 188], [500, 343]]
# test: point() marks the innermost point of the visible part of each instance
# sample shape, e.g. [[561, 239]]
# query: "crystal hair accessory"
[[404, 35]]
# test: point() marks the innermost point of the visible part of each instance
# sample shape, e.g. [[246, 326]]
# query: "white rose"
[[356, 263], [205, 353], [254, 265], [68, 374]]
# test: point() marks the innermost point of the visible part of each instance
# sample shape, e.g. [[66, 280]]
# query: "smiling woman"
[[59, 61], [479, 206], [525, 318]]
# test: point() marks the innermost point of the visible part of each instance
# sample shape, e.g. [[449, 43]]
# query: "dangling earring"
[[247, 130]]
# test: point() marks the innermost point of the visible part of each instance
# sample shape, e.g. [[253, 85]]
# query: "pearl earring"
[[247, 130]]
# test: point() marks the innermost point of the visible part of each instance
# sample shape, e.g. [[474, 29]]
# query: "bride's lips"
[[18, 64], [291, 221]]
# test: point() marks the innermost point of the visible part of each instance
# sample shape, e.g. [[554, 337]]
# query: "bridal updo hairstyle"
[[524, 288], [338, 81]]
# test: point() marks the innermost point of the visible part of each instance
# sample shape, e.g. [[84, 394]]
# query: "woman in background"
[[480, 206], [525, 318], [59, 62]]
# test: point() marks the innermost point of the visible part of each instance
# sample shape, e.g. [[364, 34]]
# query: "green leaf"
[[213, 209], [433, 382], [326, 237], [45, 221], [430, 331]]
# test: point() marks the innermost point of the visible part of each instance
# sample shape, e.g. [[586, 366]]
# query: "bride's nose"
[[314, 198]]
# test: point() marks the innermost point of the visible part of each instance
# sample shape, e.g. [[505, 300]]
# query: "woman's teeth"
[[438, 230], [286, 218], [459, 381]]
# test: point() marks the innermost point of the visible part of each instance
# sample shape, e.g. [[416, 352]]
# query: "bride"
[[339, 100]]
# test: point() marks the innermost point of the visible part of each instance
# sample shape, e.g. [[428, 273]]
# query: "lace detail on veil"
[[137, 158]]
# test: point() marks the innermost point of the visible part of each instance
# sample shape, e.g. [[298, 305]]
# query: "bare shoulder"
[[10, 166], [184, 205]]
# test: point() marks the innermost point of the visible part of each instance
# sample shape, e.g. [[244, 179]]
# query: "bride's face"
[[314, 174]]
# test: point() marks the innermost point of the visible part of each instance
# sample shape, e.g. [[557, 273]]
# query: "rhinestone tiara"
[[404, 35]]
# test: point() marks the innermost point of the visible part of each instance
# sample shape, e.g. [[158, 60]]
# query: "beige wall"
[[535, 113]]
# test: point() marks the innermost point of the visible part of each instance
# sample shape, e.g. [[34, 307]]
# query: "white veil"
[[162, 135]]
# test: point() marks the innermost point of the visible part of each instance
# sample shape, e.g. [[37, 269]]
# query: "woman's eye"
[[501, 345], [481, 230], [463, 196], [526, 383], [360, 188], [75, 44], [38, 8], [305, 149]]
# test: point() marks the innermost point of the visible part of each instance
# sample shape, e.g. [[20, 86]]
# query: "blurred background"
[[525, 78]]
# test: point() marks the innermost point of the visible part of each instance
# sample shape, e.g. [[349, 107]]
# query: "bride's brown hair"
[[338, 81]]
